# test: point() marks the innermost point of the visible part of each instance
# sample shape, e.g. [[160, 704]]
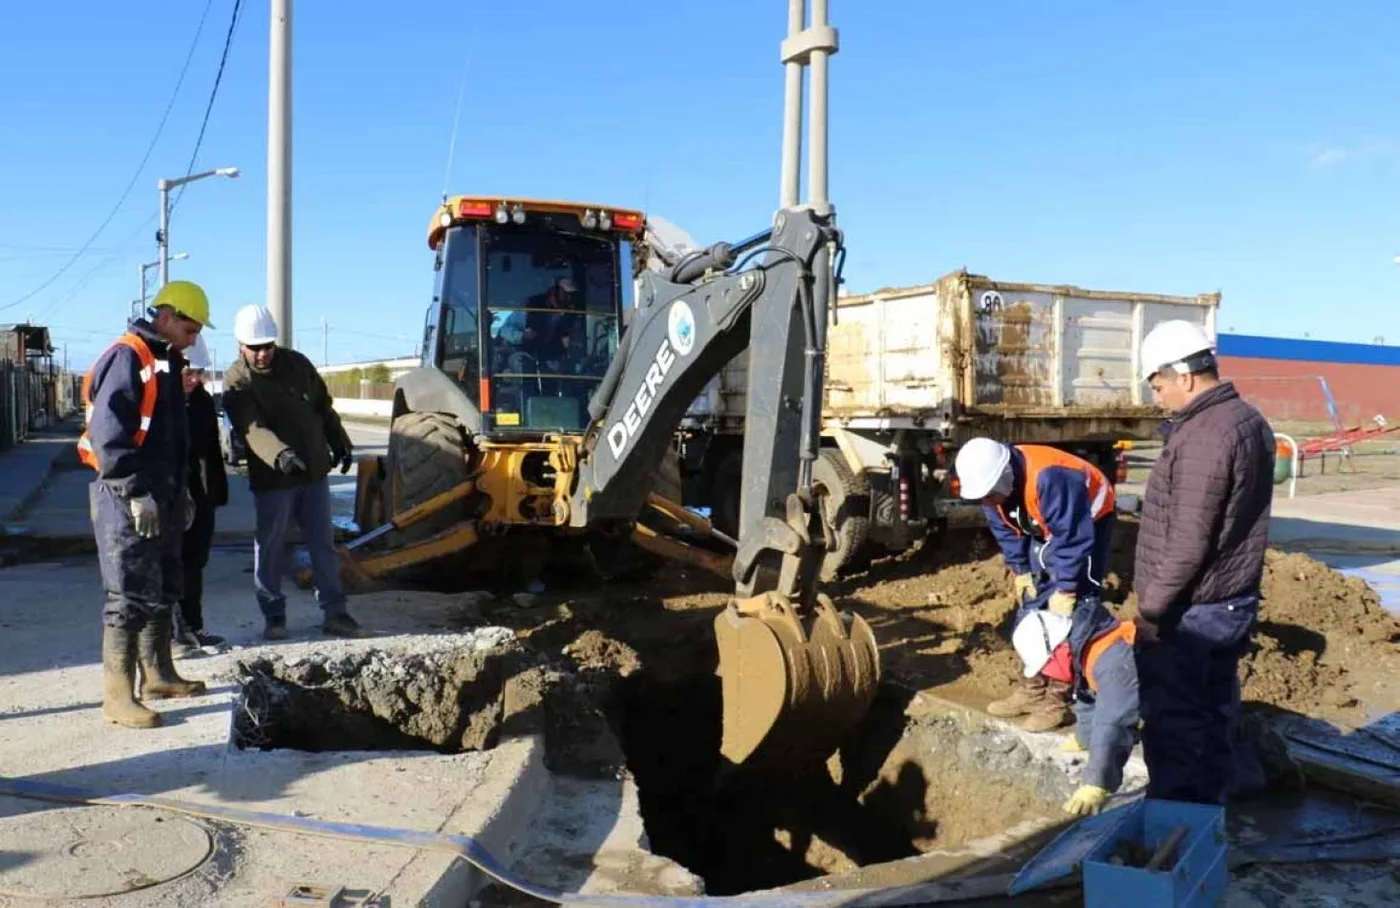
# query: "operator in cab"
[[554, 318], [1052, 515]]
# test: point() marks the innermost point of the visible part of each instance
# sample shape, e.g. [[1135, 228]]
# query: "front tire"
[[427, 456]]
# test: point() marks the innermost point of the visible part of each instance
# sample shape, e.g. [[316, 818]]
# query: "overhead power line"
[[82, 250], [209, 107]]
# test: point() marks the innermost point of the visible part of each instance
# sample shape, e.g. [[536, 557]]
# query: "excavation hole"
[[445, 694], [900, 788]]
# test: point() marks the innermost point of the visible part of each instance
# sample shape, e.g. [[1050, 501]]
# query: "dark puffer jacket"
[[1205, 517]]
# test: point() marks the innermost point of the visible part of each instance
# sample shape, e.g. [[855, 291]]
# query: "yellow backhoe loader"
[[534, 413]]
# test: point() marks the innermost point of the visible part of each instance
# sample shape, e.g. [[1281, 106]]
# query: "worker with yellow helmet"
[[136, 441]]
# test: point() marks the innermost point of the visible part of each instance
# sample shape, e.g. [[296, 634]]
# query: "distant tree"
[[378, 373]]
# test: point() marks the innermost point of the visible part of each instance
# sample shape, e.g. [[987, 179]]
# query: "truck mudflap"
[[794, 685]]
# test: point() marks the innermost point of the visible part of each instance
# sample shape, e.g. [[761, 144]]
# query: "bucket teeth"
[[793, 685]]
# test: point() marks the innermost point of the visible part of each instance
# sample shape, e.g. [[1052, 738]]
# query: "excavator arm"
[[690, 321], [796, 674]]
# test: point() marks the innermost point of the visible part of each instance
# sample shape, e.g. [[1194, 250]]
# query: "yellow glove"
[[1062, 603], [1071, 745], [1025, 587], [1087, 801]]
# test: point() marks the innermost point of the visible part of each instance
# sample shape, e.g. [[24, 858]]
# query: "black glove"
[[344, 458], [288, 462]]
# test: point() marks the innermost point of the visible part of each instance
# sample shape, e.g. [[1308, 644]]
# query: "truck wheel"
[[427, 456], [846, 506]]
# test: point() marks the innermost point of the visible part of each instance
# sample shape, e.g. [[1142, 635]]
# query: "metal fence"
[[33, 398]]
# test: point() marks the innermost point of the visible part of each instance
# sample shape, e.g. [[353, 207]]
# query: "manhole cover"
[[88, 852]]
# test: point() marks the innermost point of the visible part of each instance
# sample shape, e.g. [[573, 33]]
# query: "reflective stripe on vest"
[[1125, 631], [1040, 457], [150, 390]]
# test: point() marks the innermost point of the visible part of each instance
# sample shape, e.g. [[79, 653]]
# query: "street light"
[[148, 266], [163, 237]]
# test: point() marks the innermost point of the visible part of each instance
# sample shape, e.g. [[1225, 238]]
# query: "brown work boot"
[[158, 677], [119, 704], [1022, 700], [1051, 712]]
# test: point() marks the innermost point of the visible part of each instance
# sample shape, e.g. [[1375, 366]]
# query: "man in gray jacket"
[[1200, 558], [277, 400]]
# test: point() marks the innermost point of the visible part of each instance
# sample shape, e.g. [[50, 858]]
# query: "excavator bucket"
[[794, 685]]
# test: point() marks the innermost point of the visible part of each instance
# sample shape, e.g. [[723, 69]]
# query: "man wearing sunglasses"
[[137, 441], [278, 401]]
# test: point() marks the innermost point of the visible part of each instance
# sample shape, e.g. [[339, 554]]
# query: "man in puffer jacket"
[[1200, 559]]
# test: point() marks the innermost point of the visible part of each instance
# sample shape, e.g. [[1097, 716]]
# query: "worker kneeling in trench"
[[1093, 655]]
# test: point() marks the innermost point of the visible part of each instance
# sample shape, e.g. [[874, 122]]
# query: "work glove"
[[1086, 801], [344, 458], [146, 516], [1062, 603], [188, 504], [1025, 587], [288, 462]]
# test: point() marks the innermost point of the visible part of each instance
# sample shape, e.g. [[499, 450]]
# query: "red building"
[[1290, 380]]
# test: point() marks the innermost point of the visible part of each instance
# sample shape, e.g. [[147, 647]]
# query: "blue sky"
[[1233, 146]]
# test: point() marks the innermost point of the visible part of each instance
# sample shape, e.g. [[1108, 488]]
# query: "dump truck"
[[534, 417], [914, 372]]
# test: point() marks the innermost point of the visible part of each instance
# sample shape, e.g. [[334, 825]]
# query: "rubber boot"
[[1051, 712], [158, 678], [1023, 699], [119, 705]]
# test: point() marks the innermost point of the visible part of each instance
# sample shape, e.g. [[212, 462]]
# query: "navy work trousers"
[[142, 578], [1190, 701]]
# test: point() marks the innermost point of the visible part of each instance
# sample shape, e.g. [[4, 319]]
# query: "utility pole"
[[325, 342], [279, 170]]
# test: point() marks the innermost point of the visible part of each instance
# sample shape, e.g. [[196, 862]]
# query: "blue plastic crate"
[[1195, 879]]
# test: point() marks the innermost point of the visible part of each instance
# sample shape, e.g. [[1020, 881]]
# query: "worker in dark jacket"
[[1052, 515], [136, 440], [209, 490], [1093, 654], [278, 401], [1200, 558]]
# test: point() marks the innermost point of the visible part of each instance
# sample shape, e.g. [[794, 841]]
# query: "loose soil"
[[624, 680]]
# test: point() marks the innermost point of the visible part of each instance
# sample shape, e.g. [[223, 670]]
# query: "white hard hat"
[[1170, 344], [567, 285], [198, 354], [254, 325], [1036, 637], [980, 464]]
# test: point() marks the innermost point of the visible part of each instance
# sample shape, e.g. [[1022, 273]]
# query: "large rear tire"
[[427, 456], [846, 507]]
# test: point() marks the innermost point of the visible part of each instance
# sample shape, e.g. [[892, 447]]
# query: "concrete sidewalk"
[[51, 732], [24, 467]]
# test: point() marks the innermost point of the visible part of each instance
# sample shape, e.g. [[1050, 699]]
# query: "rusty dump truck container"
[[1029, 362]]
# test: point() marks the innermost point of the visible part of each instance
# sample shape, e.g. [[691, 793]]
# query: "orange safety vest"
[[1039, 457], [1125, 631], [150, 389]]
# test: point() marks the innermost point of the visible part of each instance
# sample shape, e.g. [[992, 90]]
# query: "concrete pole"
[[164, 188], [792, 108], [279, 170], [142, 270]]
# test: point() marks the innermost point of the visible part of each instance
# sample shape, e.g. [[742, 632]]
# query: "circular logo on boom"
[[680, 328]]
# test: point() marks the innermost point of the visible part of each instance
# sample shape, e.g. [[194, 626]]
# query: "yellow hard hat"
[[186, 298]]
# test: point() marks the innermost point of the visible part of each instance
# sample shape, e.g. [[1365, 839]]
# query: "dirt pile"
[[450, 699], [1323, 646]]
